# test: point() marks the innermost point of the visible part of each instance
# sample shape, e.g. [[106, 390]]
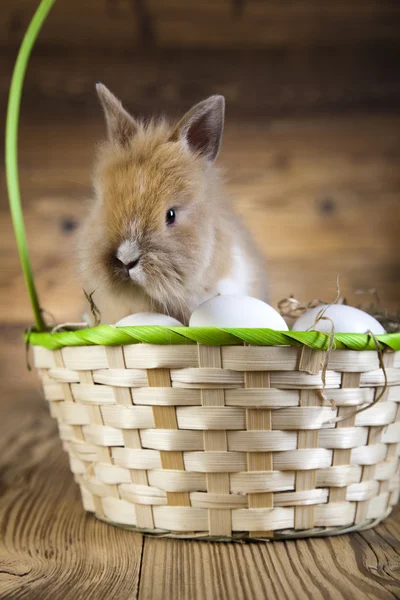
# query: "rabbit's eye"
[[170, 216]]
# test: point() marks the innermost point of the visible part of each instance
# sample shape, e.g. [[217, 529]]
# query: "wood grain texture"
[[49, 547], [256, 83], [123, 24], [347, 567]]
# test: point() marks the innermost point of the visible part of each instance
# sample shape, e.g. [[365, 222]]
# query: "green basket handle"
[[14, 196]]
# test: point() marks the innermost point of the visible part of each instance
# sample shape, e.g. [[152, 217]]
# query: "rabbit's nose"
[[124, 268], [128, 255], [132, 264]]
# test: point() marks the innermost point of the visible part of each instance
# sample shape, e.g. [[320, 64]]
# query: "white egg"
[[346, 319], [237, 311], [143, 319]]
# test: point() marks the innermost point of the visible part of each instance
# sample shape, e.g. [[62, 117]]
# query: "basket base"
[[245, 538]]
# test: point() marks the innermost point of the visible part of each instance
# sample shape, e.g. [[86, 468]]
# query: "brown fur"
[[142, 172]]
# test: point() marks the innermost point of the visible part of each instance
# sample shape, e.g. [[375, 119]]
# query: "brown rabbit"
[[161, 235]]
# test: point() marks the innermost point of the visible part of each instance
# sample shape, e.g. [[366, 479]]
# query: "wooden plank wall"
[[312, 142], [120, 25]]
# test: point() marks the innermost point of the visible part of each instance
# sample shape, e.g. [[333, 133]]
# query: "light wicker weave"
[[227, 442]]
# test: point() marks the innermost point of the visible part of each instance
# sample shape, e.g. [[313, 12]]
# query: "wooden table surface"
[[51, 549], [321, 195]]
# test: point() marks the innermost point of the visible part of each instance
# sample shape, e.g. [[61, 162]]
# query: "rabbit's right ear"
[[121, 126], [202, 127]]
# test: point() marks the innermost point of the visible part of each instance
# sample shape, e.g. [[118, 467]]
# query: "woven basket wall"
[[227, 442]]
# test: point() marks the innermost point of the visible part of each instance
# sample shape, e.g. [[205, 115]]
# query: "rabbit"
[[161, 234]]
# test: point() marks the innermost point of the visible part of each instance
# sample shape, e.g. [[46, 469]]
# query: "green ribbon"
[[108, 335]]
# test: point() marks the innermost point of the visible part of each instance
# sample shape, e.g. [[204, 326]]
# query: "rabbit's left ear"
[[202, 127], [121, 126]]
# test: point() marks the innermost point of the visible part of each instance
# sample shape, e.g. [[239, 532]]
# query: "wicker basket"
[[220, 434], [227, 442]]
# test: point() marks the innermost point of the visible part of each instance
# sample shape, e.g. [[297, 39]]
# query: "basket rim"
[[109, 335]]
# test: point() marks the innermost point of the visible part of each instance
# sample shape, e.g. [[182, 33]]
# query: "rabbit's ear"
[[202, 127], [121, 126]]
